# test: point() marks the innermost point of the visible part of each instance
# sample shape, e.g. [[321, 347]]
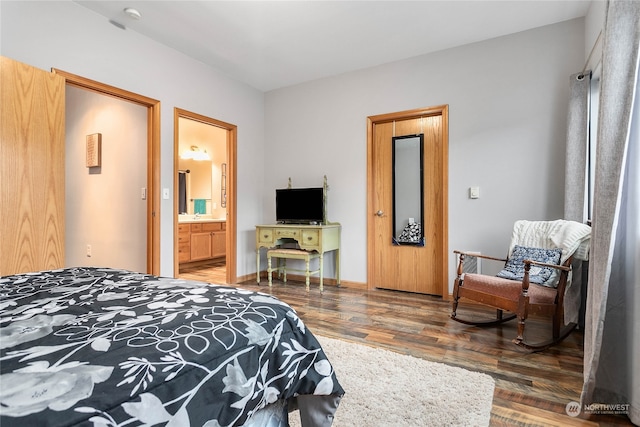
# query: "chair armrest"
[[543, 264], [477, 255]]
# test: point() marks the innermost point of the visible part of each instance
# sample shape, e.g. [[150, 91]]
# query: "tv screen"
[[300, 205]]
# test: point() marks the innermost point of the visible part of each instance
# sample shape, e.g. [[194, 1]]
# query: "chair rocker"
[[536, 275]]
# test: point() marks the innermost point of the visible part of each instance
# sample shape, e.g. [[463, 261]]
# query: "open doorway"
[[145, 192], [204, 197]]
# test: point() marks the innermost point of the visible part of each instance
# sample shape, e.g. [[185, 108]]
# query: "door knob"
[[379, 213]]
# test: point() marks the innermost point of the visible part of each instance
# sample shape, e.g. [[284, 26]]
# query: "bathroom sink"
[[202, 218]]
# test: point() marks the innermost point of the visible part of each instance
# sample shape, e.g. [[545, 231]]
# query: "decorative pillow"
[[546, 276]]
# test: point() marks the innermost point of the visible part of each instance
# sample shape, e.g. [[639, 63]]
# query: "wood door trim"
[[443, 111], [153, 156], [232, 143]]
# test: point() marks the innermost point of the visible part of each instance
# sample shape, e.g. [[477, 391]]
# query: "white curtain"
[[612, 329]]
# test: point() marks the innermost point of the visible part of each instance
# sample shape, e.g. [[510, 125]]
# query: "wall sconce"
[[195, 153]]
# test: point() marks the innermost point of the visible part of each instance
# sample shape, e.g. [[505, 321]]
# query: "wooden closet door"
[[410, 268], [32, 142]]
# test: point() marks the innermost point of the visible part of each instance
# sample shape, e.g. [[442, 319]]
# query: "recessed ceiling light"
[[133, 13]]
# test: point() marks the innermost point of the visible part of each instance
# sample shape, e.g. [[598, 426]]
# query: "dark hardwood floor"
[[532, 389]]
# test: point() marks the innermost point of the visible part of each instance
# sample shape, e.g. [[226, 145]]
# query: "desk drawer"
[[287, 233], [310, 238], [265, 235]]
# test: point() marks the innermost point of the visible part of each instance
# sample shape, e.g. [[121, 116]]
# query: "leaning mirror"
[[408, 198]]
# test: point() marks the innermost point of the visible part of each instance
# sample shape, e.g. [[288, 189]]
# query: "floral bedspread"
[[105, 347]]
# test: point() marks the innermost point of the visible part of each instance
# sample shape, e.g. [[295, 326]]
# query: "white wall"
[[594, 23], [507, 98], [104, 205], [64, 35], [507, 128]]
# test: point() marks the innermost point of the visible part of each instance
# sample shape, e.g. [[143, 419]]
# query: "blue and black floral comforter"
[[105, 347]]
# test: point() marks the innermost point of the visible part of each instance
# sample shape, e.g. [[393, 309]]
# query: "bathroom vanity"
[[200, 240]]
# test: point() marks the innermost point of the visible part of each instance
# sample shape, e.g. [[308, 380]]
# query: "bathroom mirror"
[[408, 195], [194, 186]]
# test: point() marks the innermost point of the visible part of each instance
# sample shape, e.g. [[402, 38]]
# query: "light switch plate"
[[474, 192], [165, 193]]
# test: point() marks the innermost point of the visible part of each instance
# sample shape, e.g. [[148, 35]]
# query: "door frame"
[[232, 143], [153, 156], [442, 110]]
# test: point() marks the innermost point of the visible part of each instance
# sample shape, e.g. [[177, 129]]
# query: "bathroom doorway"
[[204, 197]]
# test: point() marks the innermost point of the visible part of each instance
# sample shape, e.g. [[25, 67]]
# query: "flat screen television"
[[300, 205]]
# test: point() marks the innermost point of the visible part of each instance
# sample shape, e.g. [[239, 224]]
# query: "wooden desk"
[[319, 238]]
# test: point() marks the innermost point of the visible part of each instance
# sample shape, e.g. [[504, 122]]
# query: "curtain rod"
[[593, 49]]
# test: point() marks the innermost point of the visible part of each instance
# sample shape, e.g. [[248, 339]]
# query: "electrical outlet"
[[88, 250]]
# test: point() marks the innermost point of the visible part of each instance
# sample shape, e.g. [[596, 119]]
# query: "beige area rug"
[[384, 388]]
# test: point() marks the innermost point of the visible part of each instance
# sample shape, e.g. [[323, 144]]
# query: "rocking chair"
[[536, 274]]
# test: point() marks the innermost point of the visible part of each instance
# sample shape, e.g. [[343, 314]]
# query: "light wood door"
[[32, 148], [420, 269]]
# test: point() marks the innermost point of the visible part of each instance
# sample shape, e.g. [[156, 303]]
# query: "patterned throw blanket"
[[104, 347]]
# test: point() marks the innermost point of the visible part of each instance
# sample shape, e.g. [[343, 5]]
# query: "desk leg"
[[258, 265], [338, 267], [321, 270], [307, 263]]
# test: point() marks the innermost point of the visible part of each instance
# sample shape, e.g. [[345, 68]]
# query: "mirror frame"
[[395, 142]]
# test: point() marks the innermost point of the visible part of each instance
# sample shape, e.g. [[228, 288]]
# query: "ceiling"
[[274, 44]]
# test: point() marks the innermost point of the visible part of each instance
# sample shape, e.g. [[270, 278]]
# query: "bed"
[[107, 347]]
